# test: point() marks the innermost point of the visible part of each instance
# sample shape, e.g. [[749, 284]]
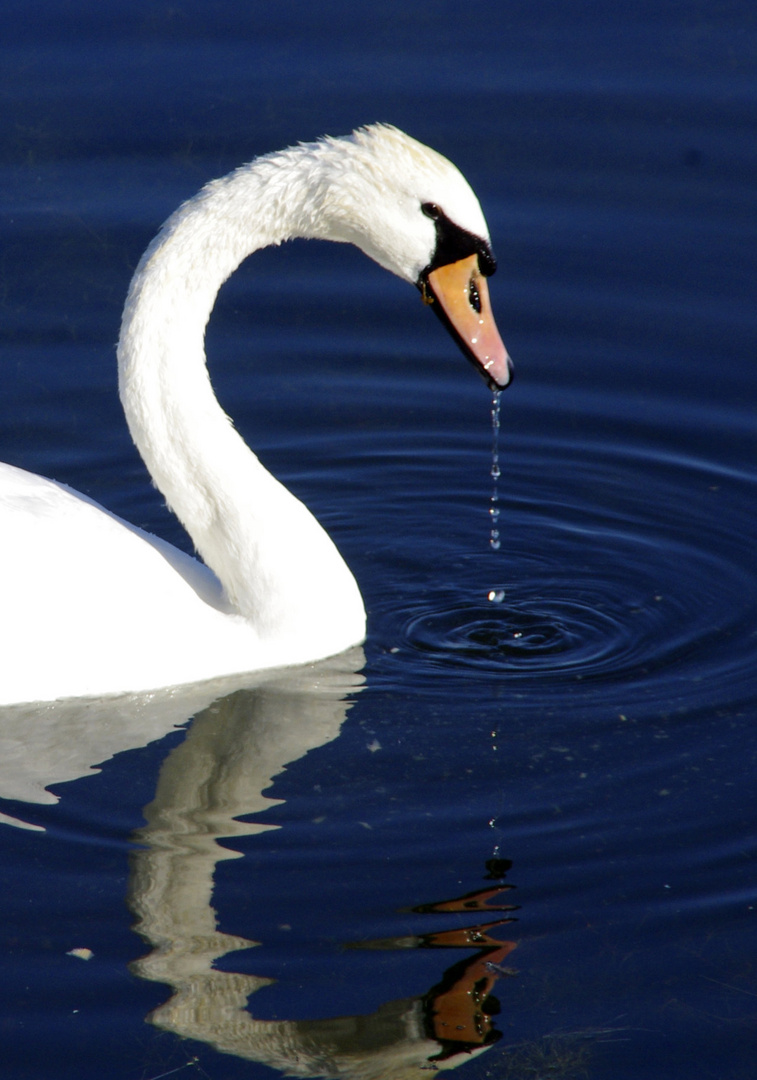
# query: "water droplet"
[[495, 472]]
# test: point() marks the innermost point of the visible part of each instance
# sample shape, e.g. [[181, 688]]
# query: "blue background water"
[[596, 727]]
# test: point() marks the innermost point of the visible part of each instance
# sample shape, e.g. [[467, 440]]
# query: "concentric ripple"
[[517, 636], [618, 568]]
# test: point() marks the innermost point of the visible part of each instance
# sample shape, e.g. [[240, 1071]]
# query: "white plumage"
[[90, 604]]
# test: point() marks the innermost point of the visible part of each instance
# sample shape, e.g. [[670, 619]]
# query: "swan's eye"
[[474, 297], [431, 210]]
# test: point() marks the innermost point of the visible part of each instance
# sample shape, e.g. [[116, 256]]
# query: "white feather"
[[90, 604]]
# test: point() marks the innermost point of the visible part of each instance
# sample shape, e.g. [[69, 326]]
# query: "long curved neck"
[[267, 550]]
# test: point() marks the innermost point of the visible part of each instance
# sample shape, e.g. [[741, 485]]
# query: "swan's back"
[[132, 603]]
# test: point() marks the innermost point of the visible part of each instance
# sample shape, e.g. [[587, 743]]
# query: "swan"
[[91, 605]]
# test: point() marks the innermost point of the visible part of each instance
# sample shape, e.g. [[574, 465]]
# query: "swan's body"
[[91, 605]]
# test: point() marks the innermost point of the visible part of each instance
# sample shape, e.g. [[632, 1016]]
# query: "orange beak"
[[460, 296]]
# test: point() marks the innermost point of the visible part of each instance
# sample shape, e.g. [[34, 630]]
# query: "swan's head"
[[413, 212]]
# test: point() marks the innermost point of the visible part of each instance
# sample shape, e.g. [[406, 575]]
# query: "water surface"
[[547, 799]]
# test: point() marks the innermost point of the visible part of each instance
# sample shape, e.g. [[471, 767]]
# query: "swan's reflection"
[[48, 743], [230, 755], [241, 738]]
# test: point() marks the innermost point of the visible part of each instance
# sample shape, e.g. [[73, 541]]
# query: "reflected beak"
[[459, 295]]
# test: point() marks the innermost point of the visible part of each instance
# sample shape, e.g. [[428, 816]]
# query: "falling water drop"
[[494, 540]]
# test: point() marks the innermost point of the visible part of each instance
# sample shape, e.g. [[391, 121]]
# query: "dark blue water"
[[588, 736]]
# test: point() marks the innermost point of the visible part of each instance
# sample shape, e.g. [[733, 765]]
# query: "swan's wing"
[[91, 604]]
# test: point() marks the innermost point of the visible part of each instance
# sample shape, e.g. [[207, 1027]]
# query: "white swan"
[[92, 605]]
